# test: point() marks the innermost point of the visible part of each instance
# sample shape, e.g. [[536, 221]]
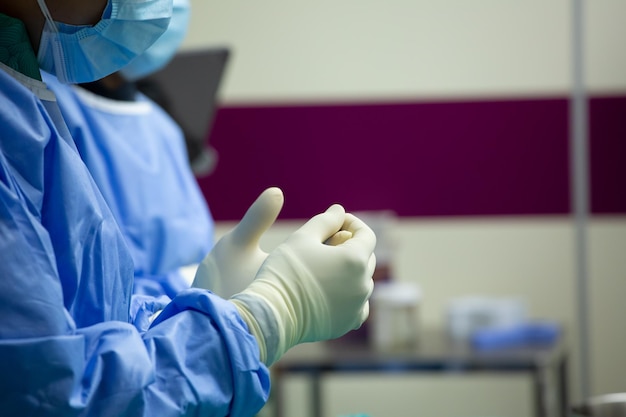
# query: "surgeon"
[[137, 156], [68, 341]]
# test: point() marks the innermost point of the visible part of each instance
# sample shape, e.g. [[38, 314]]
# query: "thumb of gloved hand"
[[235, 259]]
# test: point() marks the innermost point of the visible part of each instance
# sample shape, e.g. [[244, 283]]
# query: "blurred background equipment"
[[187, 88], [607, 405], [394, 317], [466, 315]]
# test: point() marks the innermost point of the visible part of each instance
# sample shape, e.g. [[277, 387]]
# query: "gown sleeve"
[[197, 358]]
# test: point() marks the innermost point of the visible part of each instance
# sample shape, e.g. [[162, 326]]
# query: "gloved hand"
[[236, 257], [308, 290]]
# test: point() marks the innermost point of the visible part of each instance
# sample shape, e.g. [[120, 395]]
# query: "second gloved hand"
[[308, 290], [236, 257]]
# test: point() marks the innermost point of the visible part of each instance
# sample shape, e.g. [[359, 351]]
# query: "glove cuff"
[[284, 306], [263, 325]]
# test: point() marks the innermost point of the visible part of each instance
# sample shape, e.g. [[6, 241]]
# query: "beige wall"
[[607, 290], [286, 50], [412, 49]]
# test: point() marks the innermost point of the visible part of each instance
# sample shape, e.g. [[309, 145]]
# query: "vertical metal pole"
[[579, 154]]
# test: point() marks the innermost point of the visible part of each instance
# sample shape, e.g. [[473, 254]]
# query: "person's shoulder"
[[17, 91], [20, 103]]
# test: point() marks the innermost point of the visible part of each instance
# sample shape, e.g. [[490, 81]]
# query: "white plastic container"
[[465, 315], [395, 315]]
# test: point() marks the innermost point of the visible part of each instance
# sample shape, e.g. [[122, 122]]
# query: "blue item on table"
[[527, 334]]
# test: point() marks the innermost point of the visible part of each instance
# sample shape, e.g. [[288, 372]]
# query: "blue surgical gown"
[[68, 343], [136, 154]]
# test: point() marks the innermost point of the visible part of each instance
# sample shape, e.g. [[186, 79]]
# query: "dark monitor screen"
[[187, 89]]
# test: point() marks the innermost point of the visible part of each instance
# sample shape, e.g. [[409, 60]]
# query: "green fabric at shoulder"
[[16, 50]]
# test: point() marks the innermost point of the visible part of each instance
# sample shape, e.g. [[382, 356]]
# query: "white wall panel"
[[607, 274], [285, 50], [605, 54], [434, 395]]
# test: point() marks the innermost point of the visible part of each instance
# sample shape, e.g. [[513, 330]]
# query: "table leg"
[[540, 388], [277, 388], [316, 393], [564, 387]]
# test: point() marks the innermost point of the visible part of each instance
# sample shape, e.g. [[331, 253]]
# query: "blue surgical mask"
[[159, 54], [79, 54]]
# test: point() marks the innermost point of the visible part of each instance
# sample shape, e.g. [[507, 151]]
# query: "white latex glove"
[[236, 257], [308, 290]]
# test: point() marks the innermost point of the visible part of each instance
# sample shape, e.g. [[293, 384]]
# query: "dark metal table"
[[434, 353]]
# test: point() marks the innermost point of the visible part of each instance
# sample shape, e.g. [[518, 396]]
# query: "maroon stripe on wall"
[[466, 158], [607, 130]]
